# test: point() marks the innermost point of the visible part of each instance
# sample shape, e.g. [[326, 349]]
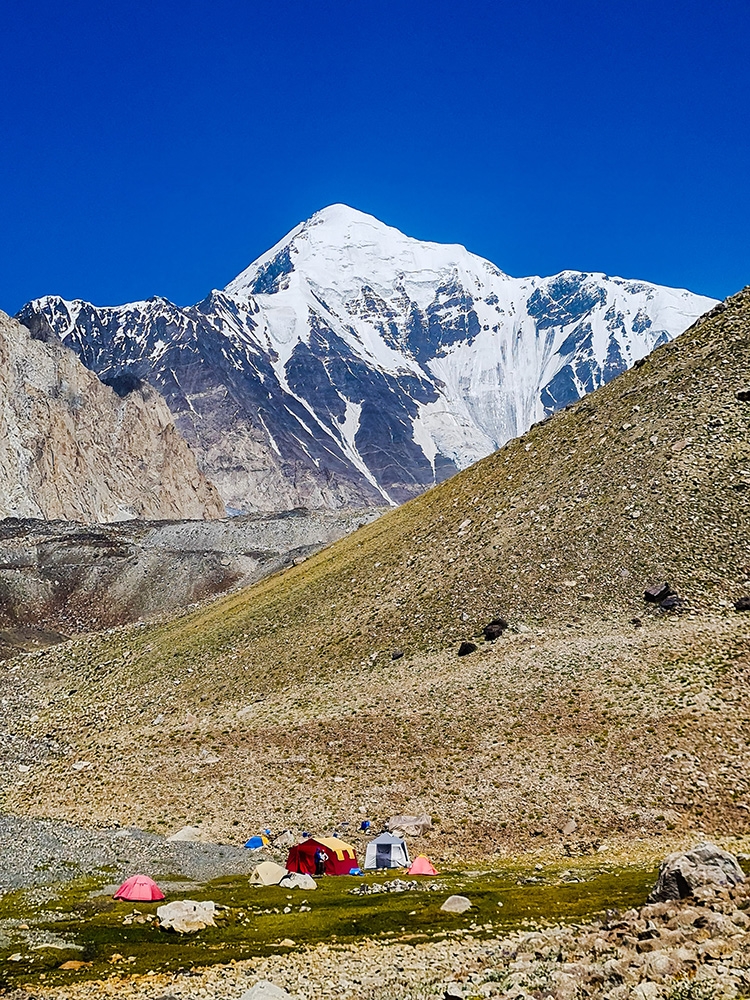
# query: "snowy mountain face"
[[353, 365]]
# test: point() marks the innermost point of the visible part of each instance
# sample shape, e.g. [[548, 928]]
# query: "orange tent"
[[139, 888], [422, 866]]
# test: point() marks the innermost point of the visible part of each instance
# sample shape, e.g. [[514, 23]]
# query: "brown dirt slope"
[[281, 704]]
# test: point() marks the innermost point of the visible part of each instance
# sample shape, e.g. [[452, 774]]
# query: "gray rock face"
[[72, 448], [705, 866], [351, 365]]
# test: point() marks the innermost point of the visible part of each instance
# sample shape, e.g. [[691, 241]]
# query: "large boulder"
[[186, 916], [680, 874]]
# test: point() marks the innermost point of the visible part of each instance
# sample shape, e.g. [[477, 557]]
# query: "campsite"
[[96, 935]]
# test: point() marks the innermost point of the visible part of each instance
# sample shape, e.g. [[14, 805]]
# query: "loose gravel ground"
[[45, 852]]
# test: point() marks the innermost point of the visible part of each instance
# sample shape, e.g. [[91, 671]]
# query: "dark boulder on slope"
[[658, 593]]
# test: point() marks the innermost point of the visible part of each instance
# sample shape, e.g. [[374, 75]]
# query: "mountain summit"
[[351, 364]]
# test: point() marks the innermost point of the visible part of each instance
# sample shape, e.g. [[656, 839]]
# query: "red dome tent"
[[139, 888], [341, 856]]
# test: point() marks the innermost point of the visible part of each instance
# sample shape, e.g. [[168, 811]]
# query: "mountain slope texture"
[[352, 365], [71, 447], [283, 705]]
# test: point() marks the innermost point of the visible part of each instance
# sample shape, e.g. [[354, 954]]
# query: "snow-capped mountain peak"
[[354, 364], [339, 250]]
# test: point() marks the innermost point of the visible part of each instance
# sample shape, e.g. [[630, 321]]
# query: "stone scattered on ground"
[[396, 885], [657, 593], [44, 852], [187, 916], [681, 873], [467, 647], [456, 904], [494, 629]]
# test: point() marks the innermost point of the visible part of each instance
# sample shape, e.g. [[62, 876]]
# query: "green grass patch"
[[254, 922]]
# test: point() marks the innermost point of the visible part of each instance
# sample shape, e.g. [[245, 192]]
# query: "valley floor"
[[696, 949]]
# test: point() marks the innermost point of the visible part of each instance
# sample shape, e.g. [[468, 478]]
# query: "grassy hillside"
[[281, 705]]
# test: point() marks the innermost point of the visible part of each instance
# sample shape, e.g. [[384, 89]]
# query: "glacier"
[[353, 365]]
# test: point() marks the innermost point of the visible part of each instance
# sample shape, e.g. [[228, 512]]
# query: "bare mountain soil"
[[281, 705]]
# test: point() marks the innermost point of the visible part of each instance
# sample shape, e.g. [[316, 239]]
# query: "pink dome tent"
[[139, 889], [422, 866]]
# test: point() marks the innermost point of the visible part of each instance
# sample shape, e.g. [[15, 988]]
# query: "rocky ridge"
[[71, 447]]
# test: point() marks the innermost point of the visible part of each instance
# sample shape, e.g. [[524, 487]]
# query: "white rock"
[[188, 835], [265, 991], [186, 916], [456, 904]]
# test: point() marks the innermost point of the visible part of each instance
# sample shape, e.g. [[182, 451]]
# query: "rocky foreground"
[[694, 949]]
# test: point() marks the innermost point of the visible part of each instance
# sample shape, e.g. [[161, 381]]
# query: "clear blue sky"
[[157, 148]]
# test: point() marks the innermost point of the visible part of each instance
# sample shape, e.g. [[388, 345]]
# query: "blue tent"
[[255, 842]]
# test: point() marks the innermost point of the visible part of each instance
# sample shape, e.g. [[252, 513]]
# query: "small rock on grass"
[[456, 904]]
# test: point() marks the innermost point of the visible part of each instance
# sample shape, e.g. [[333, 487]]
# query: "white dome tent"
[[387, 851]]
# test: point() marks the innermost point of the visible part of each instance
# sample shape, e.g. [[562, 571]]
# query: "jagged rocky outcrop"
[[71, 447], [352, 365]]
